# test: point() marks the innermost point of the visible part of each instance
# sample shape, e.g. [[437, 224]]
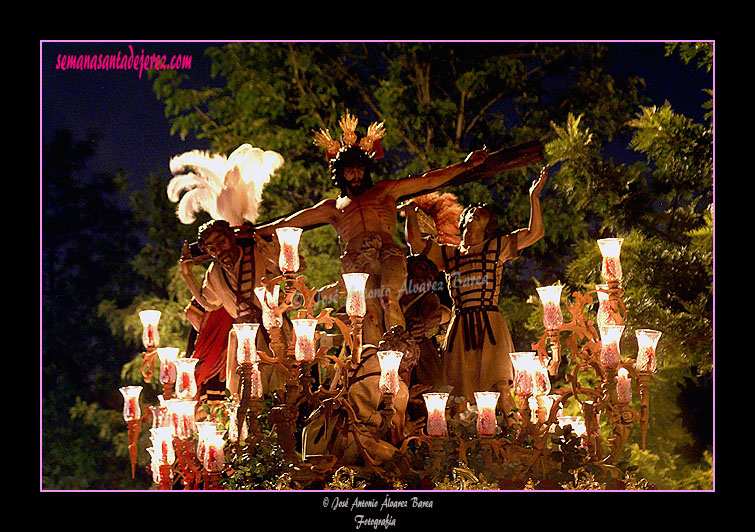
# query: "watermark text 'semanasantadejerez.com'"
[[123, 61]]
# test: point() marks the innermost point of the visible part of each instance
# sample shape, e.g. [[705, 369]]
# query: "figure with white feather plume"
[[230, 191]]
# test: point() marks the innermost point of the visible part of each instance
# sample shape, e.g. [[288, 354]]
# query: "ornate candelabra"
[[521, 448]]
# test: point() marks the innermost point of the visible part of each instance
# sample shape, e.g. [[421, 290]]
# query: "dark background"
[[135, 135]]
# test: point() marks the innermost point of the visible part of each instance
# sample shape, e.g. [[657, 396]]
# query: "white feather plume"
[[226, 188]]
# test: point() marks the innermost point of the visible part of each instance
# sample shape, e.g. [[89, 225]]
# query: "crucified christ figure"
[[365, 218]]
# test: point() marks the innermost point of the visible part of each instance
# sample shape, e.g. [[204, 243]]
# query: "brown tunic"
[[478, 342]]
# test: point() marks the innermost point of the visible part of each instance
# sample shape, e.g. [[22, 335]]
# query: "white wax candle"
[[624, 386], [486, 403], [436, 413]]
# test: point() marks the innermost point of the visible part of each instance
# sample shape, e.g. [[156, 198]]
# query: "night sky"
[[135, 135]]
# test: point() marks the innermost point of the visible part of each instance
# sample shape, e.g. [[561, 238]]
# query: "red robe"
[[211, 345]]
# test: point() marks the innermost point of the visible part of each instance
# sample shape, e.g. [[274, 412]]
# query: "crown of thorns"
[[348, 124]]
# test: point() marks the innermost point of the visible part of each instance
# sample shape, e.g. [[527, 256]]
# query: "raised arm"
[[195, 287], [536, 230], [427, 247], [319, 214], [436, 178]]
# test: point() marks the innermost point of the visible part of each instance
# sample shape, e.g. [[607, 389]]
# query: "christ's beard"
[[355, 189]]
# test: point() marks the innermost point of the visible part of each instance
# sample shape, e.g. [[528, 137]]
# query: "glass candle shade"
[[523, 363], [181, 414], [304, 329], [231, 410], [610, 355], [389, 364], [623, 386], [214, 457], [236, 433], [186, 382], [647, 341], [486, 403], [610, 269], [355, 298], [541, 383], [163, 420], [604, 306], [204, 430], [159, 416], [167, 356], [150, 335], [154, 465], [268, 301], [288, 258], [436, 413], [246, 342], [162, 442], [131, 409], [550, 296]]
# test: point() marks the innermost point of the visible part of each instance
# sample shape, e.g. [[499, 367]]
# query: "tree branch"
[[302, 89]]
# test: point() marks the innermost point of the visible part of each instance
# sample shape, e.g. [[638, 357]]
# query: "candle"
[[288, 258], [181, 413], [167, 356], [486, 421], [610, 356], [355, 299], [550, 296], [154, 465], [131, 409], [186, 383], [610, 248], [436, 413], [268, 302], [605, 317], [150, 335], [158, 415], [541, 383], [647, 340], [246, 340], [389, 364], [304, 350], [187, 418], [162, 413], [523, 375], [204, 429], [231, 411], [214, 457], [623, 386], [162, 442]]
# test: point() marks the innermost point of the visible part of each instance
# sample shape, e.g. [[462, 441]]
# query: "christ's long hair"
[[350, 157]]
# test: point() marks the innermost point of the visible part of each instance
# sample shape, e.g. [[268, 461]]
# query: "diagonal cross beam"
[[508, 158]]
